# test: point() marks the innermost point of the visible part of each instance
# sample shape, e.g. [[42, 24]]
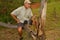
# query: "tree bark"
[[7, 25], [42, 19]]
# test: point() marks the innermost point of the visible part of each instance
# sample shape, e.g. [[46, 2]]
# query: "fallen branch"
[[31, 32], [7, 25]]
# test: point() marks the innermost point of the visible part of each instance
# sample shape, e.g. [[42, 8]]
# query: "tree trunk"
[[42, 19]]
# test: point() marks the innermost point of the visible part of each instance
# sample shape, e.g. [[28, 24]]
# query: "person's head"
[[27, 3]]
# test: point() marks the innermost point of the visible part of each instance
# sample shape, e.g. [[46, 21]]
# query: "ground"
[[35, 5], [12, 34]]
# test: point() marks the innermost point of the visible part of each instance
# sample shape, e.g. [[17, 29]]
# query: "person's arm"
[[15, 13], [34, 20], [15, 18]]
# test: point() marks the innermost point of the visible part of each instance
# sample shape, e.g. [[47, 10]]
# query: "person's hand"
[[18, 21], [34, 20]]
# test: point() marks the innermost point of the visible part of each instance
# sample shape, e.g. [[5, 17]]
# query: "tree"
[[42, 18]]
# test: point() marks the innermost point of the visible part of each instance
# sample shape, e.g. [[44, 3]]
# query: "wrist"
[[18, 21]]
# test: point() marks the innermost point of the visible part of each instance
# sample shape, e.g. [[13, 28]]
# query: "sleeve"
[[16, 12], [30, 14]]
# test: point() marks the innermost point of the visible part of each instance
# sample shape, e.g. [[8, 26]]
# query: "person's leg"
[[20, 31]]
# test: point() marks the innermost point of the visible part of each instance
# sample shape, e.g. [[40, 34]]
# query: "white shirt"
[[22, 13]]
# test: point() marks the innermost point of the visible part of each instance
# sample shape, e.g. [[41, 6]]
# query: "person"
[[21, 15]]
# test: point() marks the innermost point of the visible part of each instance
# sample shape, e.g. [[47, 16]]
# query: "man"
[[21, 15]]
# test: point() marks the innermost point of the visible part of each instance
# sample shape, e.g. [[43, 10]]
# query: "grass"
[[52, 25], [52, 21]]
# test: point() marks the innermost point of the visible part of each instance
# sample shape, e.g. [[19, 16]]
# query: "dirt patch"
[[53, 34], [12, 34], [35, 5]]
